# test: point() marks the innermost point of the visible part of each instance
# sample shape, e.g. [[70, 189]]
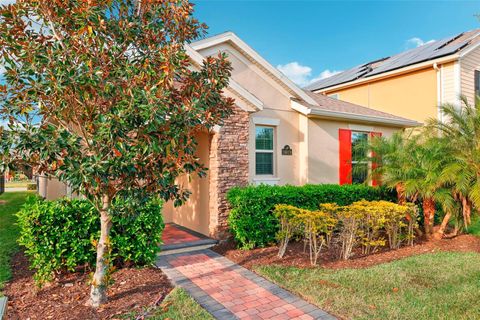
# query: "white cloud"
[[417, 42], [3, 2], [302, 75], [296, 72]]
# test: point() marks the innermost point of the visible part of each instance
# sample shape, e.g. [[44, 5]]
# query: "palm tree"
[[426, 181], [461, 131], [393, 156], [412, 164]]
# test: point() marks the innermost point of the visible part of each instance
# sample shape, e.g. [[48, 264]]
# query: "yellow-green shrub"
[[318, 226], [365, 224], [314, 226], [374, 223], [289, 224], [349, 230]]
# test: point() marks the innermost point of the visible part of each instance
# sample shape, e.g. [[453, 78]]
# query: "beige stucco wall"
[[276, 110], [323, 149], [194, 214], [286, 168], [412, 95], [51, 188], [253, 78], [468, 64]]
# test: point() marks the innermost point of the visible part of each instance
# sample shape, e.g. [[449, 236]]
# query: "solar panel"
[[425, 52], [342, 77]]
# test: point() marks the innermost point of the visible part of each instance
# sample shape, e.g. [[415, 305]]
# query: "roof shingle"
[[328, 104]]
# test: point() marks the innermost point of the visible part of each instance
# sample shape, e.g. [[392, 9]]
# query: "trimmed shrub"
[[251, 218], [365, 224], [60, 235], [290, 225]]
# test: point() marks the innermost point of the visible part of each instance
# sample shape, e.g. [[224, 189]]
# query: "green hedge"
[[60, 235], [252, 222]]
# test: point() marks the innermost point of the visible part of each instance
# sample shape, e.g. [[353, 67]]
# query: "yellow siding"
[[468, 65], [412, 95]]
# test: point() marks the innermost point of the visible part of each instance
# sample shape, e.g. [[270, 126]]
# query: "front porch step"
[[186, 247]]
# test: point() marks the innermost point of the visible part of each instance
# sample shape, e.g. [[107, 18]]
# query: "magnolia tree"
[[102, 95]]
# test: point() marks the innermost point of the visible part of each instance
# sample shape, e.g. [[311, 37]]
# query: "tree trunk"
[[428, 214], [467, 212], [439, 234], [401, 198], [98, 294]]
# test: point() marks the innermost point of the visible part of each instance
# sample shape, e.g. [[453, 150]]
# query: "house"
[[414, 83], [278, 134]]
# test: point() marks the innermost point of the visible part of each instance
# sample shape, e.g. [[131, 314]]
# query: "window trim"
[[272, 151]]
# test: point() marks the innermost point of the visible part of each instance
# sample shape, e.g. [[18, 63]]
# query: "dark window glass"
[[359, 152], [263, 163], [264, 150], [264, 138]]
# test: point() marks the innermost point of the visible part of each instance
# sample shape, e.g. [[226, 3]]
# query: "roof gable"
[[239, 44]]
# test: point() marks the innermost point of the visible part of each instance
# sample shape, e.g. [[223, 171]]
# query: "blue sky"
[[310, 39]]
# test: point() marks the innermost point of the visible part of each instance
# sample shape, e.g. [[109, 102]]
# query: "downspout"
[[439, 90]]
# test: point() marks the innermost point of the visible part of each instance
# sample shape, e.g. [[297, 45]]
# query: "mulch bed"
[[296, 257], [65, 298]]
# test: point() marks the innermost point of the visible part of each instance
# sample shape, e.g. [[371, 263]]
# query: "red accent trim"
[[345, 154], [375, 180]]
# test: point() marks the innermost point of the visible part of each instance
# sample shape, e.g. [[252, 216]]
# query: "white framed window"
[[264, 151]]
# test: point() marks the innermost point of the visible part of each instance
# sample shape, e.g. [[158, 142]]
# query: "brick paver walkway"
[[229, 291], [172, 234]]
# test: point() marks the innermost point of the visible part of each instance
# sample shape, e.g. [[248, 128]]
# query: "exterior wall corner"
[[229, 165]]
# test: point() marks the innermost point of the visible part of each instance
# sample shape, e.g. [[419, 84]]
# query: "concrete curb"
[[3, 308]]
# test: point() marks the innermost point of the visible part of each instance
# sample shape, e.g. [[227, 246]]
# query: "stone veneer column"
[[228, 168]]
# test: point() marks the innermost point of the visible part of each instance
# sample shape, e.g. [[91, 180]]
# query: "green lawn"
[[8, 231], [443, 285], [178, 305]]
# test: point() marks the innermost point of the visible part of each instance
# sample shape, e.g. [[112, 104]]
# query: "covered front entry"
[[224, 152], [194, 214]]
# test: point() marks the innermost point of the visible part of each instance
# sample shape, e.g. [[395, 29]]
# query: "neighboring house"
[[278, 134], [414, 83]]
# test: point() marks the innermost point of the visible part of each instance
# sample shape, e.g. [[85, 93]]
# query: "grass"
[[178, 305], [8, 231], [444, 285]]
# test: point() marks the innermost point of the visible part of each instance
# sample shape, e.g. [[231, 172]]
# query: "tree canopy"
[[102, 95]]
